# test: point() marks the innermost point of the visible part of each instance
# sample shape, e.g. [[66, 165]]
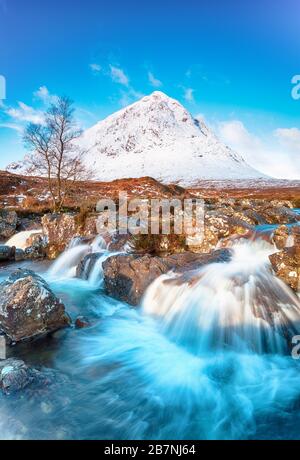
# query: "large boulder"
[[59, 230], [126, 277], [221, 224], [28, 307], [8, 224]]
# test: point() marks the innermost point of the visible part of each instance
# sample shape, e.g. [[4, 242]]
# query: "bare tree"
[[55, 152]]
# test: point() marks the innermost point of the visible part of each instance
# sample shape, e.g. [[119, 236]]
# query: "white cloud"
[[96, 68], [189, 94], [118, 75], [45, 96], [235, 133], [13, 126], [25, 113], [130, 96], [16, 117], [277, 159], [289, 138], [154, 81]]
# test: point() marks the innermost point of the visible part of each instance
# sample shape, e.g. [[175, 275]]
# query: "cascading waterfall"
[[95, 276], [239, 304], [19, 240], [206, 358], [66, 264], [76, 241], [191, 364], [98, 244]]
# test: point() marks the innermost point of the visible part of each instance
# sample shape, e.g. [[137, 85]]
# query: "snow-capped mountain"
[[158, 137]]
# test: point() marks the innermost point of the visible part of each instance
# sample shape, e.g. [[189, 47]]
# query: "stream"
[[193, 362]]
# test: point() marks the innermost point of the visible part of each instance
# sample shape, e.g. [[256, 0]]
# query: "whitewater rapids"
[[195, 362], [240, 304], [19, 240]]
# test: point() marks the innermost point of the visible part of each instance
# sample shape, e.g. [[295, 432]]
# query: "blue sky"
[[230, 61]]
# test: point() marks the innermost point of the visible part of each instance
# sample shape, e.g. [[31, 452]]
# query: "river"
[[192, 363]]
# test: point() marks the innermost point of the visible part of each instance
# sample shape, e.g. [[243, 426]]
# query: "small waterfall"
[[95, 276], [19, 240], [98, 244], [239, 304], [76, 241], [66, 264]]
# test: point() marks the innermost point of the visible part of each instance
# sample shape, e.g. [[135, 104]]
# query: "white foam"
[[20, 239]]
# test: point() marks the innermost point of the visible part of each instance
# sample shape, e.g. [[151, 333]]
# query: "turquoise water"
[[130, 377], [271, 227]]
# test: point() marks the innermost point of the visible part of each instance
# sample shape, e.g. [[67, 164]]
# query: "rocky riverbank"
[[50, 369], [28, 307], [225, 219]]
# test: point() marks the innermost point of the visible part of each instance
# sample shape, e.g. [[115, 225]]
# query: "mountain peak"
[[156, 136], [159, 95]]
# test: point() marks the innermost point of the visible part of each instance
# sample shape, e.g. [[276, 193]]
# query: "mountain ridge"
[[156, 136]]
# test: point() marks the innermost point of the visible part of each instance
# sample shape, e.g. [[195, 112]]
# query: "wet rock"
[[82, 322], [157, 245], [7, 253], [16, 376], [255, 217], [28, 307], [286, 263], [87, 264], [126, 277], [219, 226], [8, 224], [117, 242], [59, 230], [19, 255], [35, 239], [37, 247], [280, 236], [90, 225], [273, 214], [29, 223]]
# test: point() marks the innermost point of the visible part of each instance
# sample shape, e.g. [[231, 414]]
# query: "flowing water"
[[205, 357], [20, 239]]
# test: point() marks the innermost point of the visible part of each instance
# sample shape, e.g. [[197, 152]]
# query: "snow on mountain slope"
[[158, 137]]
